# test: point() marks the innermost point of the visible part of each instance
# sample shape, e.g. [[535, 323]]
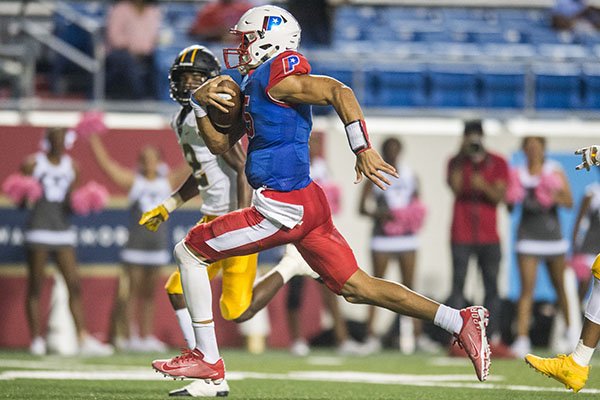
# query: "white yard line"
[[441, 381]]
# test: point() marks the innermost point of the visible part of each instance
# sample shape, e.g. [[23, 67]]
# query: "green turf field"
[[277, 375]]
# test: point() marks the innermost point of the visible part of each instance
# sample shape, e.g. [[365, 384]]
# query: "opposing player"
[[288, 207], [222, 185], [573, 370]]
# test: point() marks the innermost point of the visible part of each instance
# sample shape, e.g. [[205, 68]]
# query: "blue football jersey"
[[278, 132]]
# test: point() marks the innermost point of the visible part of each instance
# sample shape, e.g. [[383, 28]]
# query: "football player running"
[[288, 207], [573, 370], [222, 186]]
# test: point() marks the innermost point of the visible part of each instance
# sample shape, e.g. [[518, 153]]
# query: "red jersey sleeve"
[[286, 64]]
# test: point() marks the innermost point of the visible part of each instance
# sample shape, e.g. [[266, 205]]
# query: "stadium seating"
[[453, 86], [398, 56], [557, 86], [502, 86]]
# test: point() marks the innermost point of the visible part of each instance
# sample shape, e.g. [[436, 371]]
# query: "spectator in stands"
[[478, 179], [586, 246], [566, 14], [145, 251], [132, 29], [397, 216], [539, 236], [49, 234], [214, 20], [314, 16]]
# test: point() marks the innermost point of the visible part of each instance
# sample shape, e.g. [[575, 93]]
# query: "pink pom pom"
[[92, 197], [580, 263], [515, 193], [19, 187], [406, 219], [416, 212], [549, 184], [333, 194], [91, 122], [398, 225]]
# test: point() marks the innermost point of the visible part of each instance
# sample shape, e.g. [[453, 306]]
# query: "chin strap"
[[358, 137]]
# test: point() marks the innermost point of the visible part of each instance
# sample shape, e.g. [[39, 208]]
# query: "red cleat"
[[472, 338], [191, 364]]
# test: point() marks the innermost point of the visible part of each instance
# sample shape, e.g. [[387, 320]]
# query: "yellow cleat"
[[562, 368], [596, 267]]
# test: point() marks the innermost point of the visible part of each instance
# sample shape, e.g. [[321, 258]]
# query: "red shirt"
[[474, 216]]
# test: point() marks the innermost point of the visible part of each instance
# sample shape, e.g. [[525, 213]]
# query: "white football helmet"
[[264, 32]]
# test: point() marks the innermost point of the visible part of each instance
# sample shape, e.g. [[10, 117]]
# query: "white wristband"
[[172, 203], [358, 138], [199, 111]]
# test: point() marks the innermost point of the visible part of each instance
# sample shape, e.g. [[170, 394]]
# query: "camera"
[[474, 147]]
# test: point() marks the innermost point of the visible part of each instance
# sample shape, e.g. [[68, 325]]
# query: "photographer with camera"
[[478, 180]]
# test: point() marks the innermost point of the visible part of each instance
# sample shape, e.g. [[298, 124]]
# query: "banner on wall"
[[100, 236]]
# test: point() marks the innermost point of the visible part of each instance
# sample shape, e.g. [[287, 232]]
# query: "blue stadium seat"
[[163, 59], [502, 86], [453, 86], [398, 86], [557, 86], [509, 51], [343, 74], [591, 86], [563, 51]]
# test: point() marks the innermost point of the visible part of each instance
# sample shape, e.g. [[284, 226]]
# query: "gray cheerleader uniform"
[[591, 240], [539, 232], [398, 195], [48, 225], [143, 246]]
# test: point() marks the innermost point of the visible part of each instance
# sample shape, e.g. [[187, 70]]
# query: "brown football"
[[224, 121]]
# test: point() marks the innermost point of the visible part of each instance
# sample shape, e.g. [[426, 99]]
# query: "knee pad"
[[184, 257]]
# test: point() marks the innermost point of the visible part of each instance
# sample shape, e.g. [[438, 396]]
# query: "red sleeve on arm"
[[286, 64]]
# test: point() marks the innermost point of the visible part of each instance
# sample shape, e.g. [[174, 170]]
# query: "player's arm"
[[323, 90], [159, 214], [178, 174], [120, 175], [209, 95], [236, 159]]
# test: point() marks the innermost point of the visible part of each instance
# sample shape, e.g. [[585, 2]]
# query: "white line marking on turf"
[[440, 381], [449, 362], [325, 361]]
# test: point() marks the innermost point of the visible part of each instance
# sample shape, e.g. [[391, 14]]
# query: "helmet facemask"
[[191, 68], [242, 52], [183, 82]]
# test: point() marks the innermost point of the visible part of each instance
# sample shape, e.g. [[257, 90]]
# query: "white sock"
[[198, 298], [448, 318], [185, 324], [287, 268], [206, 341], [583, 354]]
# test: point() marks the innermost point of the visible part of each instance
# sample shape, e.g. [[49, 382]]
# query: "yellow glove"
[[153, 218]]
